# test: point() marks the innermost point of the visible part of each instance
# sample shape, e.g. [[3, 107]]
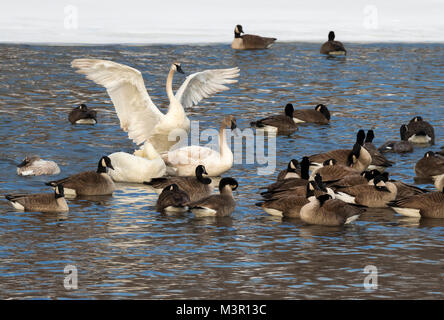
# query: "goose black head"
[[354, 154], [289, 110], [59, 191], [171, 187], [105, 162], [416, 119], [331, 36], [311, 187], [385, 176], [238, 30], [83, 107], [370, 136], [323, 109], [178, 68], [368, 175], [293, 165], [375, 173], [360, 137], [403, 131], [329, 162], [230, 182], [322, 199], [200, 172], [320, 184], [429, 154], [380, 184]]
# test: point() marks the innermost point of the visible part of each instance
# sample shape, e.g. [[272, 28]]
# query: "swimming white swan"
[[185, 160], [138, 115], [137, 169]]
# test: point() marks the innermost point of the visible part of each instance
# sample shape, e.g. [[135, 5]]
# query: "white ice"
[[213, 21]]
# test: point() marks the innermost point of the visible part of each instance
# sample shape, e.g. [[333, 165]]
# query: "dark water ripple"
[[123, 249]]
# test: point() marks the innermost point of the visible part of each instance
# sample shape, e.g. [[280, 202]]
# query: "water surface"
[[123, 249]]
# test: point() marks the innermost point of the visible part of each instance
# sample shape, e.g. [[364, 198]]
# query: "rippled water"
[[122, 248]]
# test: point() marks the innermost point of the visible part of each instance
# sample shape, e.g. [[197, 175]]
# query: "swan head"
[[28, 160], [176, 67], [238, 29], [331, 36], [230, 121], [228, 183]]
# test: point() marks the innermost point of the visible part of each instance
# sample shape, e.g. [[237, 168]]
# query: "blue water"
[[122, 248]]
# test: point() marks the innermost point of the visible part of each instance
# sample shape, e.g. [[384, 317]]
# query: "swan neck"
[[169, 86]]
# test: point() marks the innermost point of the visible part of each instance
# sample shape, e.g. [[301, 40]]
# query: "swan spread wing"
[[138, 115], [200, 85]]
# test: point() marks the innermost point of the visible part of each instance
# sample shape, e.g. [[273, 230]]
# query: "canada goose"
[[136, 169], [354, 179], [249, 41], [291, 182], [326, 211], [293, 171], [299, 189], [420, 131], [219, 205], [427, 205], [403, 189], [138, 115], [319, 114], [377, 195], [185, 160], [197, 187], [43, 202], [403, 146], [82, 115], [88, 183], [358, 158], [35, 166], [288, 205], [379, 161], [279, 124], [172, 199], [429, 166], [331, 171], [332, 47]]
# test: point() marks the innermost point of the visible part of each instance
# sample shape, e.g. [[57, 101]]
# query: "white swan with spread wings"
[[137, 113]]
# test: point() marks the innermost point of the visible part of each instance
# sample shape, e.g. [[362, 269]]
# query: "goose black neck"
[[305, 166], [203, 180], [101, 168], [237, 34]]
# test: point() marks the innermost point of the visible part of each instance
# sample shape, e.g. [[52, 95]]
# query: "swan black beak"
[[179, 69], [22, 164]]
